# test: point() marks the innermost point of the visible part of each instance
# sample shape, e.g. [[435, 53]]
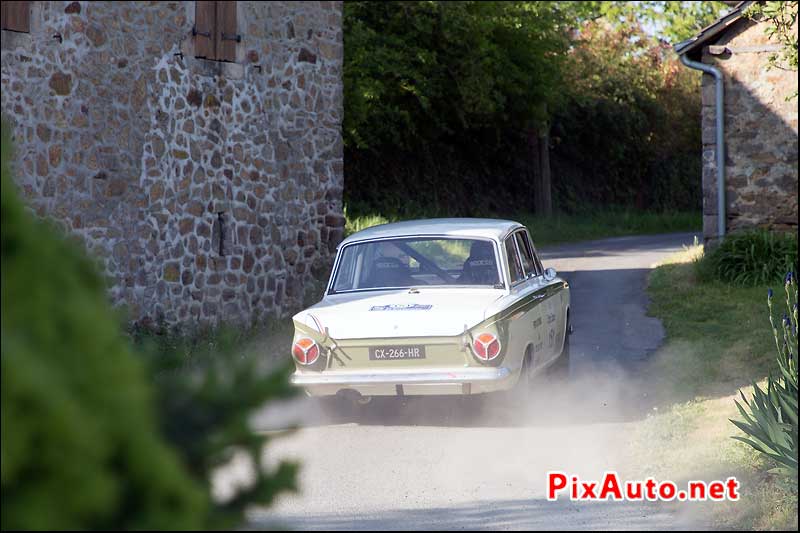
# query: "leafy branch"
[[781, 27]]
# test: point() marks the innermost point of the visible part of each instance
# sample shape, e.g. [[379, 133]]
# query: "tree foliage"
[[417, 72], [670, 21], [781, 18], [80, 444], [207, 386], [96, 435], [443, 99], [628, 132]]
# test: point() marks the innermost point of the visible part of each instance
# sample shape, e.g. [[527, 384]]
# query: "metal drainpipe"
[[720, 112]]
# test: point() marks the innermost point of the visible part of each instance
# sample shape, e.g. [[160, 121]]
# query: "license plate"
[[393, 353]]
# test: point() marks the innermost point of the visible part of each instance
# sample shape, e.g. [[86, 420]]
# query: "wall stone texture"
[[760, 135], [210, 191]]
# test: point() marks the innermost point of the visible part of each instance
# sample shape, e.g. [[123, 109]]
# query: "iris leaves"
[[770, 416]]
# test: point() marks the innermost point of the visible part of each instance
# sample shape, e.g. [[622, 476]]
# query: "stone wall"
[[760, 134], [211, 191]]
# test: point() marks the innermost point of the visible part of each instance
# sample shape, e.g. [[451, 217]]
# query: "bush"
[[468, 175], [770, 420], [80, 444], [751, 258], [207, 386]]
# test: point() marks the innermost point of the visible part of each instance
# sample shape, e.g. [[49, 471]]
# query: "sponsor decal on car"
[[401, 307]]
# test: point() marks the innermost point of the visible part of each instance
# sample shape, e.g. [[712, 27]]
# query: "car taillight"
[[305, 351], [486, 346]]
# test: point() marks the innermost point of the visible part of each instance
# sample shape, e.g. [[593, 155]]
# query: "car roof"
[[450, 227]]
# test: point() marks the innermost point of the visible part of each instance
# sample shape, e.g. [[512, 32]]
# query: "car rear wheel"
[[526, 382], [341, 409]]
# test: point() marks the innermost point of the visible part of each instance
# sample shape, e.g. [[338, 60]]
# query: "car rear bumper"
[[405, 382]]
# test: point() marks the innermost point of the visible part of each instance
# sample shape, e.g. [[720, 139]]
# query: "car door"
[[535, 315], [551, 308], [525, 319]]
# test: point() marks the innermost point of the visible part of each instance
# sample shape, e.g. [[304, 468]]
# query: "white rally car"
[[440, 306]]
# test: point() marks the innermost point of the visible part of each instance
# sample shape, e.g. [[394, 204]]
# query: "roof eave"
[[712, 30]]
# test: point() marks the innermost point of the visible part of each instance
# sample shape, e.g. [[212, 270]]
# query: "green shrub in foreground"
[[770, 420], [80, 444], [751, 258], [208, 384]]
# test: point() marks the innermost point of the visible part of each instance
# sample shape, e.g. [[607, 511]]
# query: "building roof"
[[450, 227], [712, 30]]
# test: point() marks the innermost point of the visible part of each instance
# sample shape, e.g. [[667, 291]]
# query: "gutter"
[[720, 137]]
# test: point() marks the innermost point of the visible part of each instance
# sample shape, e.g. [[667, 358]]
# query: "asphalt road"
[[478, 464]]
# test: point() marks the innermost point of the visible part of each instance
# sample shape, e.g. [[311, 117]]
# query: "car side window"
[[539, 267], [514, 265], [527, 256]]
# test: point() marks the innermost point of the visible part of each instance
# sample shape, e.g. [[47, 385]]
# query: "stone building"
[[194, 147], [760, 125]]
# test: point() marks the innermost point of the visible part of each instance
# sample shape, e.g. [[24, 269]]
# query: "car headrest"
[[481, 254], [389, 264], [481, 249], [389, 271], [481, 262], [480, 266]]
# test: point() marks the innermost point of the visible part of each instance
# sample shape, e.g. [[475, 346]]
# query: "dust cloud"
[[410, 455], [448, 450], [596, 395]]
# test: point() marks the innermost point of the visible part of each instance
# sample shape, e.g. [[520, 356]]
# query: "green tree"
[[416, 72], [80, 444], [628, 133], [443, 98], [671, 21]]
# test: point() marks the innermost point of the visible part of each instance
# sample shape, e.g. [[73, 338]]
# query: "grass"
[[751, 258], [561, 227], [694, 442], [718, 342], [598, 224], [719, 336]]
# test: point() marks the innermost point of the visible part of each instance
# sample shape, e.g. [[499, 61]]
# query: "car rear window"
[[411, 262]]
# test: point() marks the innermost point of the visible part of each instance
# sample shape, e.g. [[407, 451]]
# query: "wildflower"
[[788, 278], [769, 294]]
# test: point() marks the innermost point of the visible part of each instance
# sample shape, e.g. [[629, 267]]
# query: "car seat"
[[480, 268], [389, 272]]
